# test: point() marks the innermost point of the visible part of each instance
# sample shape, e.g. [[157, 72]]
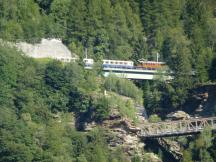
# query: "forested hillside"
[[183, 32], [42, 105]]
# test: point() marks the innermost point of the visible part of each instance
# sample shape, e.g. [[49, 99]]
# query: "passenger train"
[[88, 63], [118, 64], [149, 65]]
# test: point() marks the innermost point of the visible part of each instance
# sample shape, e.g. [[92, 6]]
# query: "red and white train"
[[143, 64], [151, 65]]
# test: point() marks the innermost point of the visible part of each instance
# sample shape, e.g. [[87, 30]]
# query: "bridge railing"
[[180, 127]]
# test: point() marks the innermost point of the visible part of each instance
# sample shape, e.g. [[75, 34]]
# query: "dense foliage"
[[183, 32], [123, 87], [43, 104]]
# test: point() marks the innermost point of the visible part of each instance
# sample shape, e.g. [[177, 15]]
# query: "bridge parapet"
[[180, 127]]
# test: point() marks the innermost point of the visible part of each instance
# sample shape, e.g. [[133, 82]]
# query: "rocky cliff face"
[[47, 48], [201, 101], [171, 146], [121, 132]]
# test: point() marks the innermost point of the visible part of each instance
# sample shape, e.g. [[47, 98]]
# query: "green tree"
[[213, 70], [102, 109], [54, 75], [44, 4], [176, 52], [59, 12], [187, 156], [76, 24]]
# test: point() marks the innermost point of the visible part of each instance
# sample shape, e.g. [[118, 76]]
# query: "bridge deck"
[[139, 74], [176, 128]]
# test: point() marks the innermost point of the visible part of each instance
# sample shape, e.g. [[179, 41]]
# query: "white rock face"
[[48, 48]]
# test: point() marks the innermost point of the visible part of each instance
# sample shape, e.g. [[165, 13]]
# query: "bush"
[[154, 118], [125, 107], [102, 109], [123, 87]]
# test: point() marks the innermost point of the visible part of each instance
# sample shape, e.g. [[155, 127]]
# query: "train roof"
[[152, 62], [119, 60], [155, 62]]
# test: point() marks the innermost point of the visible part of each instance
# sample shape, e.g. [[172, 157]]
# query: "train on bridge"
[[143, 64]]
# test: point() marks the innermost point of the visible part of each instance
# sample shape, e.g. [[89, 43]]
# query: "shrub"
[[123, 87]]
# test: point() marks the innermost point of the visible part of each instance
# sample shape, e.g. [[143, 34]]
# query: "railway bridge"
[[137, 74], [176, 128]]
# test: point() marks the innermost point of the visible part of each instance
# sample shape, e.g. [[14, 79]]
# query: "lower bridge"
[[176, 128]]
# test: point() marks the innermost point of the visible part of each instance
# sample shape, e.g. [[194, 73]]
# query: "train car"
[[88, 63], [151, 65], [118, 64]]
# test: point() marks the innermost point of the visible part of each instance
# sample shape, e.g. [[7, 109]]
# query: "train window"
[[107, 62], [111, 62], [125, 63]]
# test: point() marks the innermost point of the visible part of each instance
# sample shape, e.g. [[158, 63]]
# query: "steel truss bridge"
[[176, 128]]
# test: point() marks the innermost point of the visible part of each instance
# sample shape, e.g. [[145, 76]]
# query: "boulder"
[[178, 115]]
